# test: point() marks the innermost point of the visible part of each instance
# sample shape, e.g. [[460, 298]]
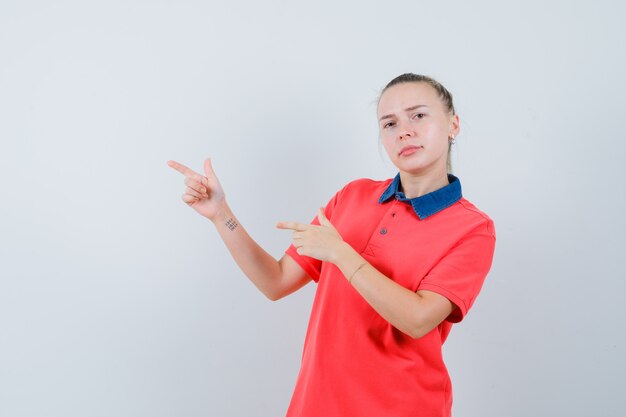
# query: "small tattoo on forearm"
[[232, 224]]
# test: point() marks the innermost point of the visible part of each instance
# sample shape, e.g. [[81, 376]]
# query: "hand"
[[203, 193], [321, 242]]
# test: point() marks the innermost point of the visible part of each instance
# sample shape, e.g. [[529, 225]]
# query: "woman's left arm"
[[413, 313]]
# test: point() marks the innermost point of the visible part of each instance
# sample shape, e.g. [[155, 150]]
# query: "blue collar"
[[428, 204]]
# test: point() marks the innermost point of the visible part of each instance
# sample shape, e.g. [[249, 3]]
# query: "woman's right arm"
[[275, 279]]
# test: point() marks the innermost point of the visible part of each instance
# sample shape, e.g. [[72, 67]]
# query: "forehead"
[[405, 95]]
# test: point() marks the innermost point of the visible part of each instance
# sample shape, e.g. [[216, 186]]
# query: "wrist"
[[355, 271], [345, 254], [222, 215], [349, 261]]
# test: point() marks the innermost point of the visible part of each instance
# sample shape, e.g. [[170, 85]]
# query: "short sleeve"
[[312, 266], [460, 274]]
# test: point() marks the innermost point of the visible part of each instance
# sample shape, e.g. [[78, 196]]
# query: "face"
[[415, 127]]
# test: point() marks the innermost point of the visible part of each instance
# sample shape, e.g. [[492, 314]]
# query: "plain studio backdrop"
[[116, 299]]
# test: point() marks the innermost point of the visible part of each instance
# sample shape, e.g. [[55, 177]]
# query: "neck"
[[416, 185]]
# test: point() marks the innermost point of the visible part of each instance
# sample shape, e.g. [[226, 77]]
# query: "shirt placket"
[[384, 229]]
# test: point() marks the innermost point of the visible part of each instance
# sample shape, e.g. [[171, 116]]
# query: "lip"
[[408, 150]]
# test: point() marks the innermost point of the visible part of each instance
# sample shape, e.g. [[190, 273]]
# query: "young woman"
[[396, 263]]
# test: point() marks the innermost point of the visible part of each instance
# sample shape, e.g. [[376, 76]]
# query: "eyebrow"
[[389, 116]]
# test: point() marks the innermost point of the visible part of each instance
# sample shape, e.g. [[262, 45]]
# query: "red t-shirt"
[[355, 363]]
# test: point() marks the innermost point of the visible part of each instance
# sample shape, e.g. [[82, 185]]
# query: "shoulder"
[[360, 191], [476, 217], [366, 185]]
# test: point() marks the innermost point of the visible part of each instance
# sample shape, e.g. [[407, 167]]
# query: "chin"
[[408, 165], [418, 169]]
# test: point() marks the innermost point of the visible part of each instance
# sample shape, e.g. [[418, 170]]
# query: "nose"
[[405, 131]]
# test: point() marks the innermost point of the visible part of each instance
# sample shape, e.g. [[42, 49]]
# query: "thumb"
[[208, 168], [322, 218]]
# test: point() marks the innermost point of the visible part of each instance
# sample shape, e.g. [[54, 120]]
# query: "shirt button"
[[383, 231]]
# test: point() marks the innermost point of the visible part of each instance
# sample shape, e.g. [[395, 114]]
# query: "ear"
[[455, 127]]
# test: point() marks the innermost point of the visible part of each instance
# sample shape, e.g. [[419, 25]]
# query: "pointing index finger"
[[300, 227], [188, 172]]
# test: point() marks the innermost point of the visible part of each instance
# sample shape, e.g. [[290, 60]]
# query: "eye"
[[419, 115], [388, 124]]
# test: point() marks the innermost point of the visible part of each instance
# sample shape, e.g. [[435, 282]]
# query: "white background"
[[116, 299]]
